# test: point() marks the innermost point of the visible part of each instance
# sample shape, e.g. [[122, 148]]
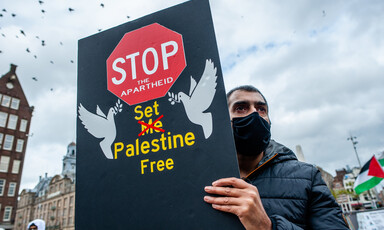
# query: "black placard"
[[154, 180]]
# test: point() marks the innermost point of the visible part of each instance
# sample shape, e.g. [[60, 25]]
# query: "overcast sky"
[[320, 64]]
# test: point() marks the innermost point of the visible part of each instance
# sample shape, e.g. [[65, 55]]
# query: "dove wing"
[[206, 88], [99, 112], [95, 124], [192, 86]]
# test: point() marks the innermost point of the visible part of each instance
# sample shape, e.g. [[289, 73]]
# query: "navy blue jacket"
[[293, 193]]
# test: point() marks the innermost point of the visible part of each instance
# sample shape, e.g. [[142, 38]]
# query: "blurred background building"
[[15, 119], [52, 199]]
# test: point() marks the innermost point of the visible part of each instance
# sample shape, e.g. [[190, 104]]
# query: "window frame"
[[9, 213], [2, 187], [5, 98], [7, 164], [12, 121], [17, 103], [18, 145], [13, 187], [11, 142], [16, 164], [23, 125], [3, 120]]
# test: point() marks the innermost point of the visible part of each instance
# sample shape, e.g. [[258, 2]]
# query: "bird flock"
[[36, 41]]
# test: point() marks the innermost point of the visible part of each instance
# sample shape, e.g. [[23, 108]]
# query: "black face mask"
[[252, 134]]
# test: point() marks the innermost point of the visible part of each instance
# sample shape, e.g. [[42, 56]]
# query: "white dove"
[[100, 126], [200, 98]]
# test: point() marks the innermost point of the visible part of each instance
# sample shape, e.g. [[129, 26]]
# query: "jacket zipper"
[[260, 166]]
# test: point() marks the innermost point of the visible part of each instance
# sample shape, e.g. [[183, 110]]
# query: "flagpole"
[[352, 139]]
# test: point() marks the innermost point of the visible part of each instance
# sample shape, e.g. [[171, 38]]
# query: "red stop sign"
[[145, 64]]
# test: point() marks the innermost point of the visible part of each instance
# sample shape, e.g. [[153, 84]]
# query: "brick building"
[[15, 119]]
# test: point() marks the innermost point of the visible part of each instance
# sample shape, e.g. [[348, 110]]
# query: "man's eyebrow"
[[260, 103], [240, 103]]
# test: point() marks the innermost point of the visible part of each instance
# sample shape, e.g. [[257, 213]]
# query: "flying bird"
[[28, 50], [51, 62], [200, 97], [3, 35], [42, 42], [35, 56], [22, 32], [70, 9], [13, 15], [34, 78], [102, 5], [43, 11], [41, 2], [4, 10], [1, 15], [100, 126]]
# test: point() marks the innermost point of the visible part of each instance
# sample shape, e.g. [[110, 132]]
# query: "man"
[[277, 191], [36, 224]]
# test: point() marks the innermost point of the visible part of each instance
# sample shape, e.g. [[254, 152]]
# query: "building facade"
[[15, 119], [346, 197], [53, 198]]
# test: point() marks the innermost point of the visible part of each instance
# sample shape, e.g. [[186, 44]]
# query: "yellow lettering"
[[169, 164], [180, 137], [145, 147], [155, 106], [189, 138], [160, 165], [152, 163], [143, 166], [154, 144], [148, 111], [118, 149], [137, 110], [130, 150]]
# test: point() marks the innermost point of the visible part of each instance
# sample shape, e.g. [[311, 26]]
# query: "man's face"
[[242, 103], [33, 227]]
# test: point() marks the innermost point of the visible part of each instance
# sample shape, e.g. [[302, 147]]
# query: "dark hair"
[[247, 88]]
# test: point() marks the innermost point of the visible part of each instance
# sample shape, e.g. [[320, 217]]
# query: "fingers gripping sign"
[[240, 198]]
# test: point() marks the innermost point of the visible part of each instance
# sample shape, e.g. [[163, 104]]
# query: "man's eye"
[[240, 109]]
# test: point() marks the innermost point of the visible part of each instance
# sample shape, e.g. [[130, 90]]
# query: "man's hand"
[[240, 198]]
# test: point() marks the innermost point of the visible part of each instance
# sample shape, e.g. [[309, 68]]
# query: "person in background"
[[36, 224], [276, 190]]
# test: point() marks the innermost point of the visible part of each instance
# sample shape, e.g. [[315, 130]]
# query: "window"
[[1, 139], [2, 185], [16, 166], [12, 189], [4, 162], [19, 146], [3, 119], [6, 101], [7, 213], [15, 103], [23, 125], [8, 142], [12, 121]]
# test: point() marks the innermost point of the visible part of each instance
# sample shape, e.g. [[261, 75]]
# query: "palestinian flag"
[[370, 175]]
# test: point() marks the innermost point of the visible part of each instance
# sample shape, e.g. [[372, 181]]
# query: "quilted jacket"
[[293, 193]]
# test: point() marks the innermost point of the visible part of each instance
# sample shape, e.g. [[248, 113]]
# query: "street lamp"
[[354, 142]]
